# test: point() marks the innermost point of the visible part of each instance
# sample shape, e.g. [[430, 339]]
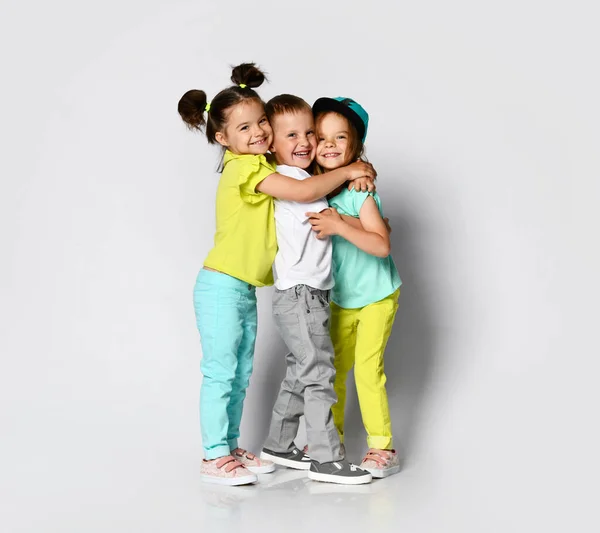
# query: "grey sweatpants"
[[302, 317]]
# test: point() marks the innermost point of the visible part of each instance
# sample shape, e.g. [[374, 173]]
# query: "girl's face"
[[247, 131], [333, 135]]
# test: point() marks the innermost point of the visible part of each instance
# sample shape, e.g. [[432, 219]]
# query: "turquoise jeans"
[[226, 318]]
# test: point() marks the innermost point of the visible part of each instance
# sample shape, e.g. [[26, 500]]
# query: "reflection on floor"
[[287, 498]]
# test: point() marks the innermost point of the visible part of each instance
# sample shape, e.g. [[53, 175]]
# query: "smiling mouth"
[[301, 154], [331, 155], [258, 143]]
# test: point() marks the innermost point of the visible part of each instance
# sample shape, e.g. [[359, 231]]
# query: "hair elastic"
[[243, 85], [207, 107]]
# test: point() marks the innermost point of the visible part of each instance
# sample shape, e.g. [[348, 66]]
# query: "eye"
[[263, 120], [321, 139], [341, 137], [310, 132], [290, 135], [243, 128]]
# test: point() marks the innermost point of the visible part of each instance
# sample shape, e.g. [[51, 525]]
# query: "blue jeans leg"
[[245, 361], [223, 305]]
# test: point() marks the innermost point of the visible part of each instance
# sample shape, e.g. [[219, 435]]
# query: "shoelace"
[[241, 453], [228, 463], [380, 457]]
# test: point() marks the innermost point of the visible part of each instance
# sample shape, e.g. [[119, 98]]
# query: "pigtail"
[[192, 107], [248, 74], [211, 117]]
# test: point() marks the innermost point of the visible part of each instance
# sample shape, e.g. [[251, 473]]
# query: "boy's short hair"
[[285, 103]]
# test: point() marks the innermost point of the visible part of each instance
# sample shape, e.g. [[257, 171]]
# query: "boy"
[[301, 312]]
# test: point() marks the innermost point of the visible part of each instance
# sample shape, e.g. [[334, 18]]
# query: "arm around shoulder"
[[286, 188], [315, 187]]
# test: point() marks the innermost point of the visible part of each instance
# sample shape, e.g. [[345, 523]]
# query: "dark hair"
[[192, 104], [285, 103], [356, 148]]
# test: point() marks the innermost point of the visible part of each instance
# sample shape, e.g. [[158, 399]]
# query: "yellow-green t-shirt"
[[245, 241]]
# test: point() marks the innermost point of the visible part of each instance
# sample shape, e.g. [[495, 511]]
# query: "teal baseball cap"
[[348, 108]]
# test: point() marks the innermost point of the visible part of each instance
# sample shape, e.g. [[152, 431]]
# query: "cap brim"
[[329, 104]]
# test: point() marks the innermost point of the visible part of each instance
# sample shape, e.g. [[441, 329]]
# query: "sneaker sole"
[[340, 480], [246, 480], [383, 472], [296, 465], [318, 489], [266, 469]]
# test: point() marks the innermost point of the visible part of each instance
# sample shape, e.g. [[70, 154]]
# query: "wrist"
[[340, 227]]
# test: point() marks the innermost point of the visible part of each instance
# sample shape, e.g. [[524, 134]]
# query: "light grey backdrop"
[[484, 131]]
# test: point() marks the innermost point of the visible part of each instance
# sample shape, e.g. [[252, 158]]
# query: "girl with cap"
[[241, 259], [367, 284]]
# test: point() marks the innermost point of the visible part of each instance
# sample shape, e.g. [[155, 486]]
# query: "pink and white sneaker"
[[226, 471], [381, 463], [253, 463]]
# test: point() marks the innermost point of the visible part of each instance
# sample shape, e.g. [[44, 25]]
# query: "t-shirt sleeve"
[[358, 199], [251, 172], [350, 202]]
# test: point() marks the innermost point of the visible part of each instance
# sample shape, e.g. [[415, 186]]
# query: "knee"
[[218, 373], [292, 386], [341, 372], [242, 378], [367, 374]]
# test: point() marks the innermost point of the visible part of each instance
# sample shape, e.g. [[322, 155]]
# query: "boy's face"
[[294, 141]]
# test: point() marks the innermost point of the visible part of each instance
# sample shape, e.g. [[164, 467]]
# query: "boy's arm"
[[373, 238], [311, 189]]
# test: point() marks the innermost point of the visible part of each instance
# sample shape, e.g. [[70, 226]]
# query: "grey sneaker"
[[294, 459], [341, 472]]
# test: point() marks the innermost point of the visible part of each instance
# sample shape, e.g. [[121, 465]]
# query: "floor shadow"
[[412, 348], [411, 351], [269, 371]]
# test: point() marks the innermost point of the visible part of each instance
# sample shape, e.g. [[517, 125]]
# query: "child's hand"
[[360, 169], [325, 223], [362, 184]]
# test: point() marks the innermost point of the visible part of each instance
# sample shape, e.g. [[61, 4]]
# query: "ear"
[[272, 148], [221, 139]]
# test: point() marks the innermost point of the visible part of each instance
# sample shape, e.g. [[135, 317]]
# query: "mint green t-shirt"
[[360, 278]]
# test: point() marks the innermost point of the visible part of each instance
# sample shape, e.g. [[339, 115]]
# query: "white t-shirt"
[[302, 259]]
